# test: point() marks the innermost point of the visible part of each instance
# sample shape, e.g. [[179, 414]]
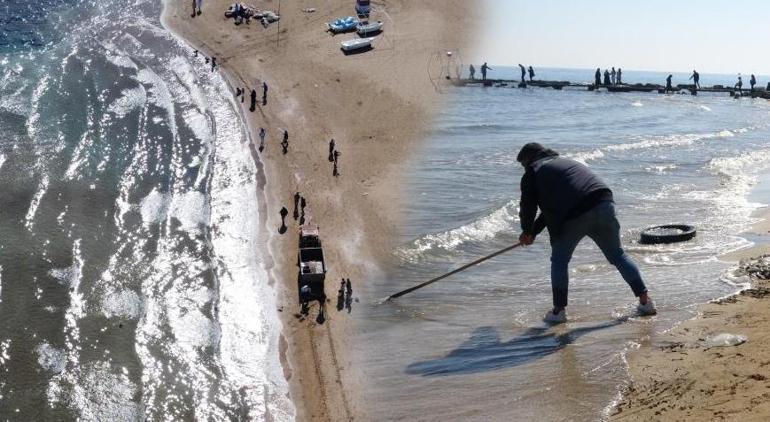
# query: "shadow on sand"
[[484, 352]]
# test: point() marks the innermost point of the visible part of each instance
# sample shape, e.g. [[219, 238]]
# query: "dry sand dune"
[[376, 106]]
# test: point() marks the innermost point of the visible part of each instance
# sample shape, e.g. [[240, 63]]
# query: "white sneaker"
[[647, 309], [559, 318]]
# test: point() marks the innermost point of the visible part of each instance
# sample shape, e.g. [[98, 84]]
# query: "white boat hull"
[[358, 44]]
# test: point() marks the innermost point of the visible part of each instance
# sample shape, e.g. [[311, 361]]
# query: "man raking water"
[[574, 203]]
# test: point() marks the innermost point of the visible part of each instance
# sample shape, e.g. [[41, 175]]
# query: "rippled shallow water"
[[472, 346], [129, 219]]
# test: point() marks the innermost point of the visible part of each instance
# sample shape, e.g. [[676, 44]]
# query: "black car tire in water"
[[669, 233]]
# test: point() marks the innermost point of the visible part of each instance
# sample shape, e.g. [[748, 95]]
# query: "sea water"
[[472, 346], [131, 285]]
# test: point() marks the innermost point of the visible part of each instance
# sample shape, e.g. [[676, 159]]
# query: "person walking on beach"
[[598, 77], [523, 73], [262, 134], [473, 72], [331, 150], [253, 100], [337, 154], [619, 80], [531, 73], [574, 203], [606, 77], [284, 212], [296, 206], [348, 295], [695, 79], [752, 82], [285, 142], [196, 4], [264, 93], [213, 63], [484, 69], [739, 85], [669, 88]]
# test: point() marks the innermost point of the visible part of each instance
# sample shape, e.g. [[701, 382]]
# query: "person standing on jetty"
[[574, 203], [484, 69], [523, 73], [473, 72], [752, 82], [264, 93], [598, 77], [531, 73], [620, 77], [606, 77], [612, 75], [739, 84], [695, 79], [669, 88]]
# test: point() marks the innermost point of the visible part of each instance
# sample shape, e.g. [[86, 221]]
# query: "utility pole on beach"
[[278, 39]]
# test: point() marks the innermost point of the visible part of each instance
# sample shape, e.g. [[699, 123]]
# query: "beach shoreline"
[[317, 94], [682, 375]]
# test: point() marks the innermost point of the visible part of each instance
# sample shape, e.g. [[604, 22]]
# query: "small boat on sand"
[[366, 28], [343, 25], [357, 44]]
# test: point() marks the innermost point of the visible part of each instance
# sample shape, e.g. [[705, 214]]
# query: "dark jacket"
[[562, 188]]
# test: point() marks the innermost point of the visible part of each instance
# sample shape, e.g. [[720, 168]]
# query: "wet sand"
[[678, 376], [376, 105]]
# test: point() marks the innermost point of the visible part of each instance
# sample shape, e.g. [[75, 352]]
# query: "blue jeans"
[[601, 225]]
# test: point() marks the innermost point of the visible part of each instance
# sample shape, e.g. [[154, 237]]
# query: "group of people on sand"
[[345, 296], [241, 92], [334, 156], [611, 77]]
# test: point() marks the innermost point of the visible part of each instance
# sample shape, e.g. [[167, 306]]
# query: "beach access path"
[[376, 105]]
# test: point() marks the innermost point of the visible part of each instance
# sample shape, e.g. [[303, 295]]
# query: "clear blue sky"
[[708, 35]]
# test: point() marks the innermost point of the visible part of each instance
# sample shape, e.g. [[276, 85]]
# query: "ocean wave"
[[654, 142], [491, 225]]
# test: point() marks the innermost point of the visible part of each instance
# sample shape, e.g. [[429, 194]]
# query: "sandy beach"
[[680, 375], [375, 106]]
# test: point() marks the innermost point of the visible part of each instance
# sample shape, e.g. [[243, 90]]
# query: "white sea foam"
[[191, 209], [637, 104], [122, 304], [101, 394], [35, 203], [154, 207], [121, 61], [50, 358], [129, 100]]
